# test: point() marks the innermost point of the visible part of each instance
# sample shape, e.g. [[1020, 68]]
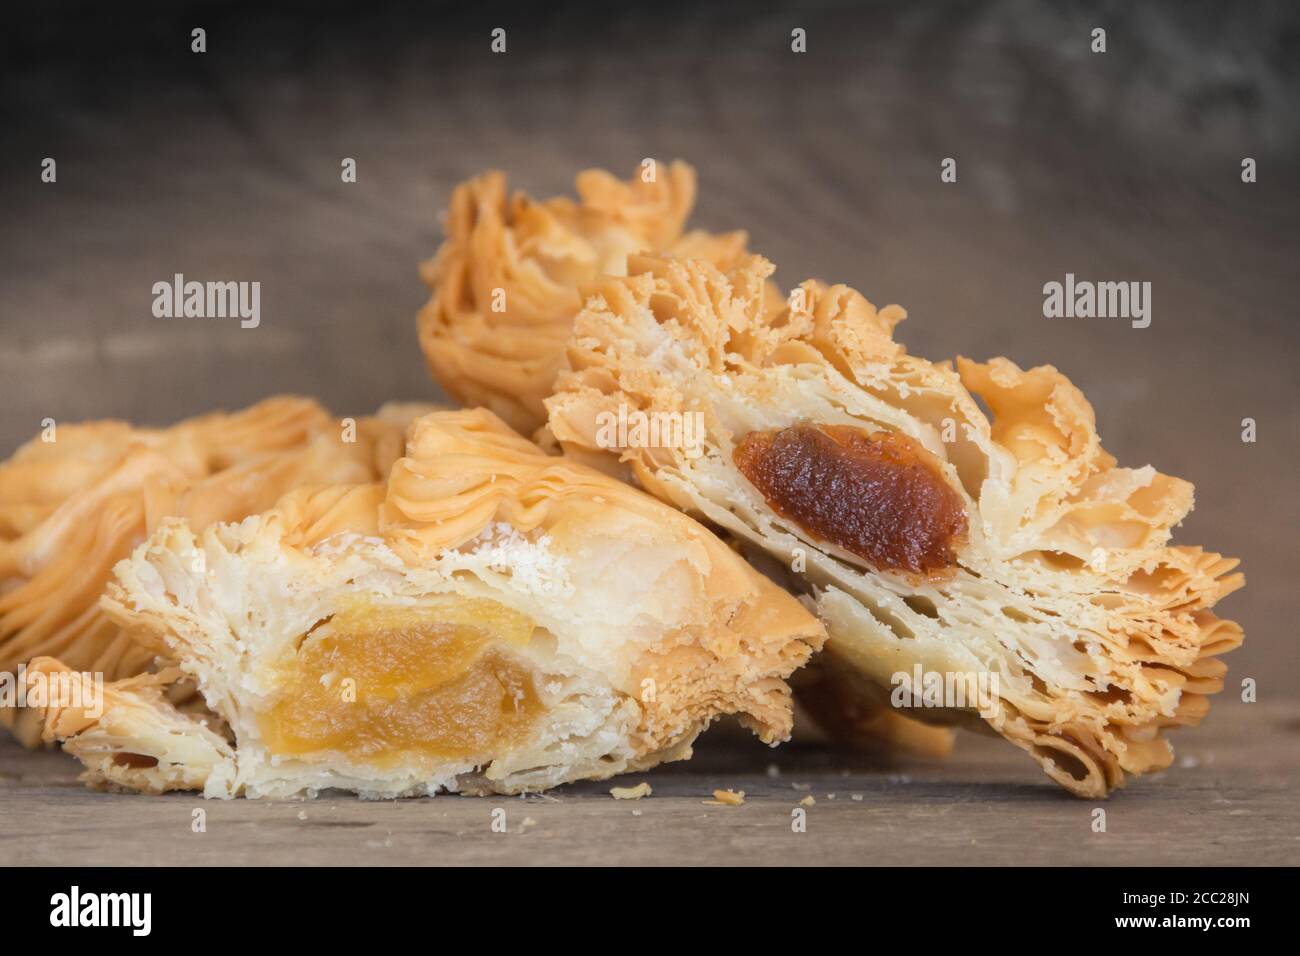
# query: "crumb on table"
[[727, 798], [642, 789]]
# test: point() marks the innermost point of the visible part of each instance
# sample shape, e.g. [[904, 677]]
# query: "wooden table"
[[1228, 800], [1121, 166]]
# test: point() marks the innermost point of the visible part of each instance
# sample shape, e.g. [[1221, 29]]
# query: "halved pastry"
[[998, 566], [494, 619], [76, 500], [505, 281]]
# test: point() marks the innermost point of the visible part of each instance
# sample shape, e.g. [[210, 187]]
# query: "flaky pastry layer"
[[505, 281], [1057, 577], [623, 626]]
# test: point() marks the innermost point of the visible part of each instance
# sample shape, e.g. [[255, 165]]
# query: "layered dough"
[[74, 502], [490, 619], [506, 281], [932, 538]]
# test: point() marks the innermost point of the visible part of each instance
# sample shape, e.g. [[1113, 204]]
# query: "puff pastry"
[[492, 619], [72, 507], [505, 281], [932, 538]]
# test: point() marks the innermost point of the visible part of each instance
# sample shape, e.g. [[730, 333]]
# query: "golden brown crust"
[[1099, 631], [506, 280]]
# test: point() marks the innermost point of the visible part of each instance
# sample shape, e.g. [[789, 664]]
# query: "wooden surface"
[[1229, 800], [1122, 166]]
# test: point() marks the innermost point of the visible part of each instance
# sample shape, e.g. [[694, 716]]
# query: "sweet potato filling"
[[878, 495], [387, 684]]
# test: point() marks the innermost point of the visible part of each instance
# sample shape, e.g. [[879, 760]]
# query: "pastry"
[[508, 281], [997, 569], [505, 281], [77, 499], [491, 619]]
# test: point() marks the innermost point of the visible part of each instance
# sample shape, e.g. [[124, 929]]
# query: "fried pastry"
[[1005, 554], [505, 281], [492, 619], [77, 500]]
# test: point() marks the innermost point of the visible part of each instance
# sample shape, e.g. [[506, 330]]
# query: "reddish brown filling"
[[878, 495]]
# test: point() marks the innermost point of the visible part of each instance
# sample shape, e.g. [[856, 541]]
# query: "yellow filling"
[[387, 684]]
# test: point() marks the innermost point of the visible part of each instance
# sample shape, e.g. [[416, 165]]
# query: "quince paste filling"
[[386, 684], [878, 495]]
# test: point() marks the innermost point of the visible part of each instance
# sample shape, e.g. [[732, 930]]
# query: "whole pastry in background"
[[493, 619], [75, 502], [506, 281], [1007, 553]]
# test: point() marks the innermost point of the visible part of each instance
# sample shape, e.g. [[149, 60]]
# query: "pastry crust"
[[1064, 587], [73, 507], [644, 626], [183, 750], [505, 281]]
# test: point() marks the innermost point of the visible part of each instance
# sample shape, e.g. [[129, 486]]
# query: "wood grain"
[[1229, 800]]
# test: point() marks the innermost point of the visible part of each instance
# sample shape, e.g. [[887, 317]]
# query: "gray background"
[[1120, 166]]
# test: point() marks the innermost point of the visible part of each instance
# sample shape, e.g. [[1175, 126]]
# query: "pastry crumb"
[[642, 789], [726, 798]]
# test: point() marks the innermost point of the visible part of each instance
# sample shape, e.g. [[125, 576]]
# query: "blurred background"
[[1121, 166]]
